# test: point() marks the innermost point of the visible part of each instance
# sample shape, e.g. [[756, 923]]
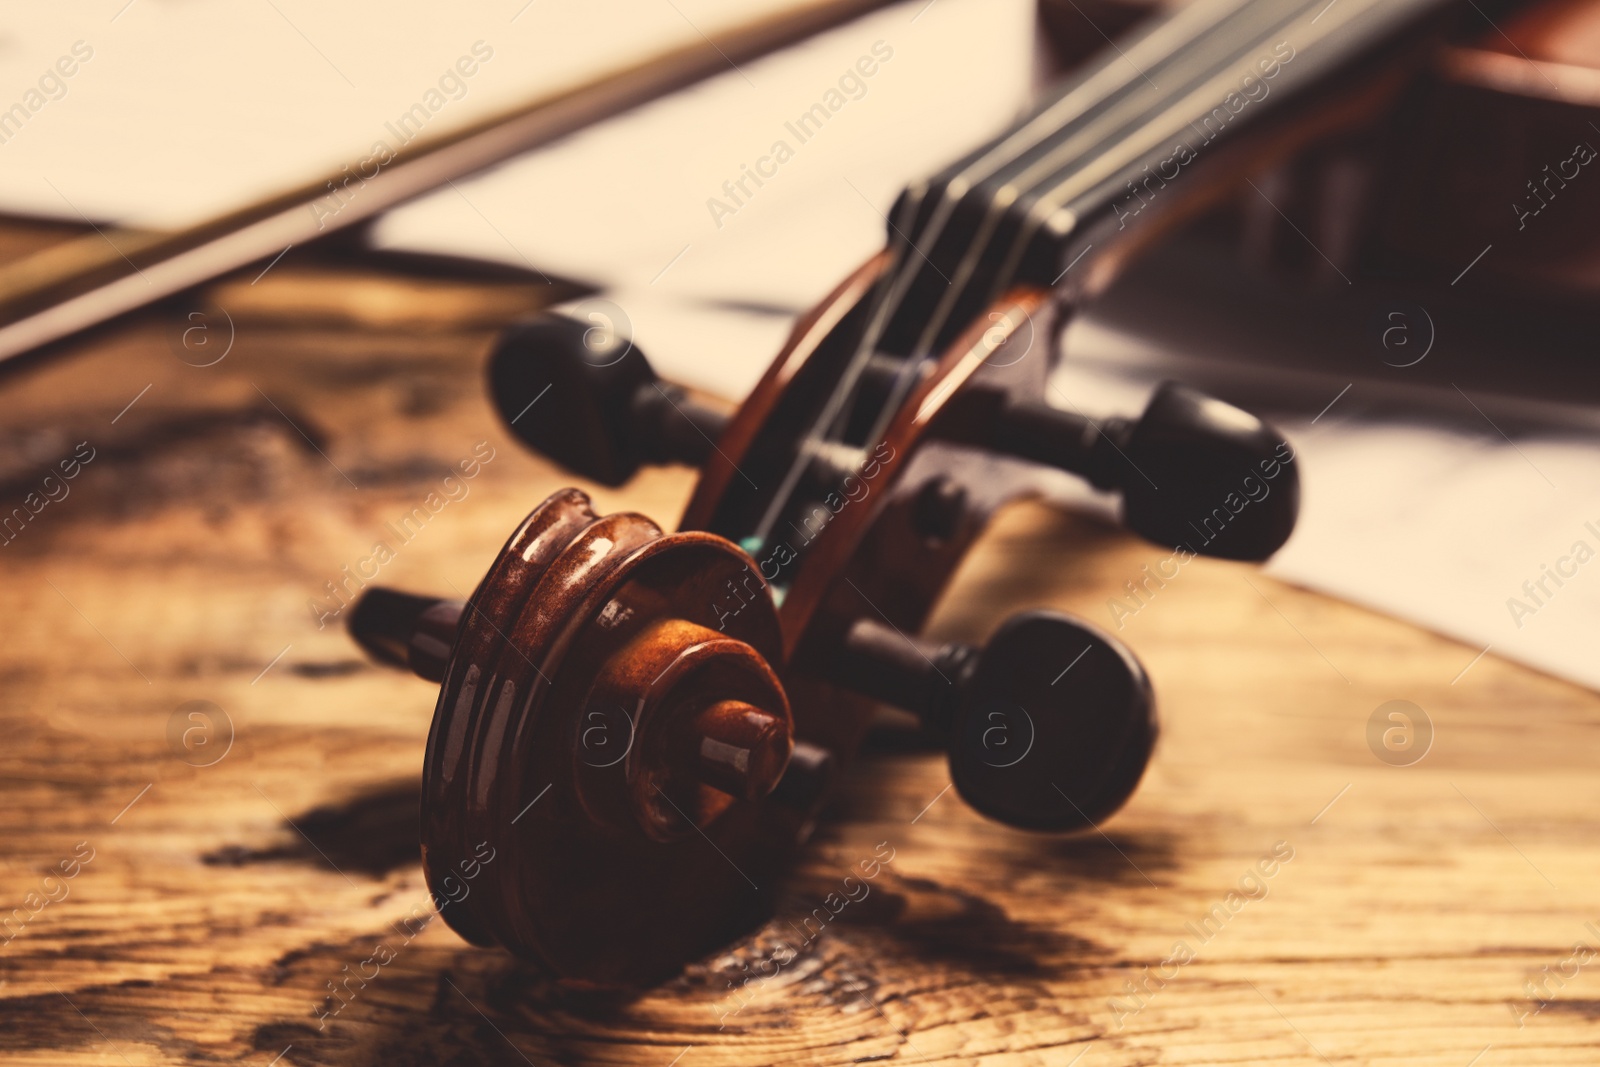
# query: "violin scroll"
[[595, 729]]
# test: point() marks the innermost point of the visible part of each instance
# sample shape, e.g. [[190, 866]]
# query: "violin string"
[[1149, 51], [1198, 43], [1217, 50], [842, 391], [1201, 58], [1079, 164], [1161, 45], [1088, 177], [1106, 138]]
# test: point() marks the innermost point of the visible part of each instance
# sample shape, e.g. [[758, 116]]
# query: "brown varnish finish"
[[583, 667]]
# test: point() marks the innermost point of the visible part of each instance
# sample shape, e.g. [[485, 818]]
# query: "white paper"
[[632, 204], [1464, 532], [178, 110], [1435, 517]]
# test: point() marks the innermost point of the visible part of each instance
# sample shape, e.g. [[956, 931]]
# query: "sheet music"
[[668, 199], [159, 113], [1487, 540]]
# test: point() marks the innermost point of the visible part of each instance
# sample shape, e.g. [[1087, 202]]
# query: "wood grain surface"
[[1274, 893]]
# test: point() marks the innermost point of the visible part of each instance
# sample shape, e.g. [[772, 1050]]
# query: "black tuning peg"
[[406, 630], [1193, 471], [1048, 726], [584, 395]]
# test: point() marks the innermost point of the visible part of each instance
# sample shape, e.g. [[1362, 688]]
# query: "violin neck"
[[1045, 199]]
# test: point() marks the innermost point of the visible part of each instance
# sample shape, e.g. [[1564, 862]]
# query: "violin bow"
[[85, 282]]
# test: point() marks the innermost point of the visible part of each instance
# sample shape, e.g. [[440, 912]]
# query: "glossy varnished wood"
[[584, 674], [809, 332]]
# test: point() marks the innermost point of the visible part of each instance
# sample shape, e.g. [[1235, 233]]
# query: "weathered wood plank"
[[207, 926]]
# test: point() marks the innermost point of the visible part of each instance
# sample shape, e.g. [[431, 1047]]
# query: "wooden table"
[[218, 893]]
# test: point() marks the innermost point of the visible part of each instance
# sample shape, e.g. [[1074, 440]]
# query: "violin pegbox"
[[1184, 458]]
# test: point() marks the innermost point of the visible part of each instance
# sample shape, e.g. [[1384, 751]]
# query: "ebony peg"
[[583, 394], [1193, 471], [405, 630], [1048, 726]]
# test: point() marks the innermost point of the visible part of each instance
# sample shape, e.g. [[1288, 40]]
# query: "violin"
[[643, 725]]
